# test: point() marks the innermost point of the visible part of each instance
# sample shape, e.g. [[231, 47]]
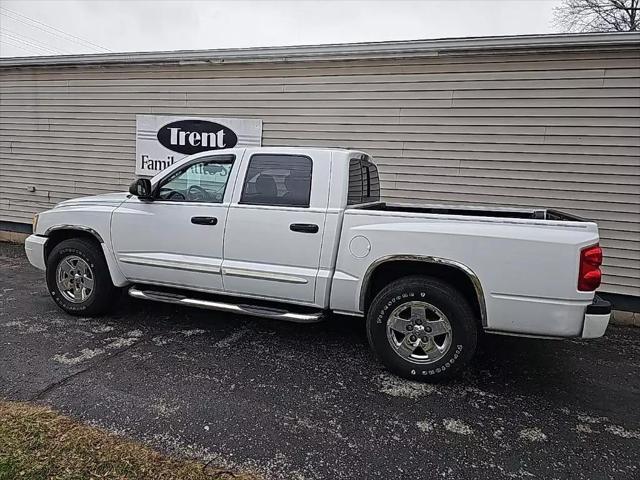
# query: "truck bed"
[[468, 210]]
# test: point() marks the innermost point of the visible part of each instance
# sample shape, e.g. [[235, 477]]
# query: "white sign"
[[163, 140]]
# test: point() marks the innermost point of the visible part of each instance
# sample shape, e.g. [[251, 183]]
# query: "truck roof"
[[302, 150], [345, 153]]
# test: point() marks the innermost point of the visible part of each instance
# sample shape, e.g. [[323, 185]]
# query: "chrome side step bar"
[[256, 310]]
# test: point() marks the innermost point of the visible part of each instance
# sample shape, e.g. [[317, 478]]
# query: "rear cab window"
[[364, 182]]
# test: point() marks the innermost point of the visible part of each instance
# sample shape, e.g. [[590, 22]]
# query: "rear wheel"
[[78, 278], [422, 328]]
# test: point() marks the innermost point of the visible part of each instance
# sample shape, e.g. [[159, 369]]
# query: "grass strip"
[[38, 443]]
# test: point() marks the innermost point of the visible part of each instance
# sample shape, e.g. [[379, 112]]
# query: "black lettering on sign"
[[195, 136]]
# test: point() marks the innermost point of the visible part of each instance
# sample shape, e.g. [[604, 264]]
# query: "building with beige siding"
[[549, 121]]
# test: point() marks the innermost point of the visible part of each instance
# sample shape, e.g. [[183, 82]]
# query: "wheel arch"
[[60, 233], [389, 268]]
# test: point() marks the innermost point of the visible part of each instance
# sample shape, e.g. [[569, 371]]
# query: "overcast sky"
[[45, 27]]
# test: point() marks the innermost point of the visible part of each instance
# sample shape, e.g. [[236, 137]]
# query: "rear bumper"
[[34, 248], [548, 318], [596, 318]]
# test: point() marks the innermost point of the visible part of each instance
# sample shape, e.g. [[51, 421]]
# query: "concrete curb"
[[12, 237], [626, 319]]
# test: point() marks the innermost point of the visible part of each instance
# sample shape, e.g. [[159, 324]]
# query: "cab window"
[[280, 180], [201, 181]]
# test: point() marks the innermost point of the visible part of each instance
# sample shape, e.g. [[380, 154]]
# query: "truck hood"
[[105, 200]]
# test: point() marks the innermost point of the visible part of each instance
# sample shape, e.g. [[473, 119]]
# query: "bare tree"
[[598, 16]]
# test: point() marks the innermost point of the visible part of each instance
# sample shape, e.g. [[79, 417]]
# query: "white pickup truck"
[[295, 233]]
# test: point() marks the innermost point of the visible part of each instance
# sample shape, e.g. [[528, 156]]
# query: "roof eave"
[[369, 50]]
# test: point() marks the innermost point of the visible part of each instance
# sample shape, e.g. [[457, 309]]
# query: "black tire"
[[439, 294], [103, 294]]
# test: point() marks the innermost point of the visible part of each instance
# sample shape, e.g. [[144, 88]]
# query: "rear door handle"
[[304, 227], [204, 220]]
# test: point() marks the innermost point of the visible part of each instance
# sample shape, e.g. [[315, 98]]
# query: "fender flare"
[[473, 278], [118, 279], [74, 227]]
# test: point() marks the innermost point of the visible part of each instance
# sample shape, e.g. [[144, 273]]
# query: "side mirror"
[[141, 188]]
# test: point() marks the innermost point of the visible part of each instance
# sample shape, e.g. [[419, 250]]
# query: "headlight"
[[34, 223]]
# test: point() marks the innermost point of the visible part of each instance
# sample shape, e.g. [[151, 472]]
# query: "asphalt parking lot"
[[310, 402]]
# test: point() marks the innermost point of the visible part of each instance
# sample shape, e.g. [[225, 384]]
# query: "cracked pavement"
[[310, 401]]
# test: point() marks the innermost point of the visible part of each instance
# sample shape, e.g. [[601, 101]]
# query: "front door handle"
[[304, 227], [204, 220]]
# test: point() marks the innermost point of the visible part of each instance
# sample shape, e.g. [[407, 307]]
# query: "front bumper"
[[596, 318], [34, 248]]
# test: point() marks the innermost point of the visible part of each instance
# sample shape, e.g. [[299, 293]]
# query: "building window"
[[280, 180]]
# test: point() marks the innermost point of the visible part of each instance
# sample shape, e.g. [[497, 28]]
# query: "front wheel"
[[422, 328], [78, 278]]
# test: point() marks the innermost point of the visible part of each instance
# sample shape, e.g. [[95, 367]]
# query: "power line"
[[24, 47], [18, 17], [16, 38], [35, 23], [38, 50], [34, 40], [30, 50], [31, 44]]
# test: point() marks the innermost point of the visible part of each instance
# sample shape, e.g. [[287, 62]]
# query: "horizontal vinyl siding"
[[554, 130]]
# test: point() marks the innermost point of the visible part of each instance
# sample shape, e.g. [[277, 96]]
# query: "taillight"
[[590, 275]]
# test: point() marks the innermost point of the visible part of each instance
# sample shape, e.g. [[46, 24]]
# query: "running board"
[[257, 310]]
